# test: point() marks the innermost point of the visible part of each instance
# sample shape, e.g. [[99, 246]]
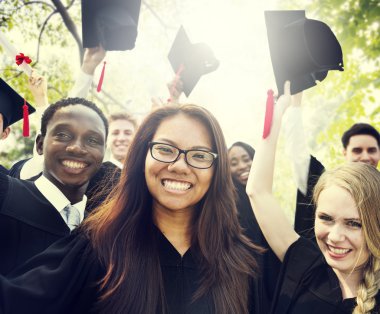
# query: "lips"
[[176, 185], [337, 252], [244, 175]]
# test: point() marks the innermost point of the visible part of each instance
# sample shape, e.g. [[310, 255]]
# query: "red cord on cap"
[[25, 125], [99, 88], [268, 114]]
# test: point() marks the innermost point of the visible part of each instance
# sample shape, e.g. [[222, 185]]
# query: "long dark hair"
[[123, 234]]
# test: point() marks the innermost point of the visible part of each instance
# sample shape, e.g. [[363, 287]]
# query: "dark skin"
[[73, 149]]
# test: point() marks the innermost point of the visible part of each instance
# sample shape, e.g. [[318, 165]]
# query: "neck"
[[175, 225], [73, 193], [349, 282]]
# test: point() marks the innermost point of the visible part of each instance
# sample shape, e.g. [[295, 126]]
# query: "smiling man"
[[122, 127], [33, 215]]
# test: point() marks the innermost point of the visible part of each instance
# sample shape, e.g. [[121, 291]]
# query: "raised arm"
[[92, 58], [275, 226], [295, 143]]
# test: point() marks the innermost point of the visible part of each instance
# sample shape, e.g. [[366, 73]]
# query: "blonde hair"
[[362, 182]]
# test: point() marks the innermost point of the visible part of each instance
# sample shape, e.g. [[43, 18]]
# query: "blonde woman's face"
[[338, 230]]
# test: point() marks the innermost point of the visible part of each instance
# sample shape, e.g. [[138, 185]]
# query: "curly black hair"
[[52, 109]]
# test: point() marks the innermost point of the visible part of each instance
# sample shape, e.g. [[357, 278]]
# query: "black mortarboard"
[[11, 105], [302, 50], [110, 23], [191, 61]]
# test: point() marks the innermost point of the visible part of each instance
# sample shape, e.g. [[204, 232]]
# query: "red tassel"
[[268, 114], [101, 78], [176, 79], [25, 125]]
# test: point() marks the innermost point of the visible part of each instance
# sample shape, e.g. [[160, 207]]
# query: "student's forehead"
[[70, 115], [359, 140]]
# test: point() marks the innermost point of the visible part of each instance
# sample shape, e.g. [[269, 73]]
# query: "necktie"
[[72, 216]]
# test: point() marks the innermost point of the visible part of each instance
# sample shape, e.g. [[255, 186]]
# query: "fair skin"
[[38, 87], [340, 238], [332, 203], [240, 164], [5, 132], [91, 59], [121, 133], [176, 187], [363, 148]]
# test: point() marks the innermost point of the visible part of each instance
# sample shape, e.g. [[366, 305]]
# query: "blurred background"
[[49, 32]]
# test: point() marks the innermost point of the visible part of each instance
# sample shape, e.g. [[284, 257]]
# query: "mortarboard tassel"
[[25, 125], [176, 79], [268, 114], [99, 88]]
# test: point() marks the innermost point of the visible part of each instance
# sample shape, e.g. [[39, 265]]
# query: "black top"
[[308, 285], [305, 209], [268, 262], [61, 280]]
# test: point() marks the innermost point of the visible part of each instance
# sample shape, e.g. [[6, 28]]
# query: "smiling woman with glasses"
[[167, 240]]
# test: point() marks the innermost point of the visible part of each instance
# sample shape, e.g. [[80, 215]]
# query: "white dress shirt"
[[57, 198]]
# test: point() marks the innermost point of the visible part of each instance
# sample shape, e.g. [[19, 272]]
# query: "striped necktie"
[[72, 216]]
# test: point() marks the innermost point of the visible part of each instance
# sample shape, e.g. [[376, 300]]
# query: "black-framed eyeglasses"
[[197, 158]]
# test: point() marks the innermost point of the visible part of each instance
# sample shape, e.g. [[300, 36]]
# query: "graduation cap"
[[110, 23], [13, 107], [302, 50], [191, 61]]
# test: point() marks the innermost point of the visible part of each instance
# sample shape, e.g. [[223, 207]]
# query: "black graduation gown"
[[61, 280], [268, 262], [101, 184], [305, 209], [28, 222], [308, 285], [4, 170]]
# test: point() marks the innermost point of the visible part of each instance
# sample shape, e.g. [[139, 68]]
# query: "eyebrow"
[[345, 219], [175, 144], [69, 126]]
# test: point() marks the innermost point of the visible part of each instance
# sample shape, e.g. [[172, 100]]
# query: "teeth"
[[73, 164], [244, 175], [338, 251], [175, 185]]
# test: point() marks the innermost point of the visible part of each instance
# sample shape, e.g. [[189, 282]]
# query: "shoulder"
[[16, 168]]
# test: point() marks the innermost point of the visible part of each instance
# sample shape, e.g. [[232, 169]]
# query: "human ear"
[[40, 144], [5, 133]]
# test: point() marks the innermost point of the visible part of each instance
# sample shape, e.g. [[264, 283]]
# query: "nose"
[[365, 157], [180, 165], [76, 148], [336, 233]]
